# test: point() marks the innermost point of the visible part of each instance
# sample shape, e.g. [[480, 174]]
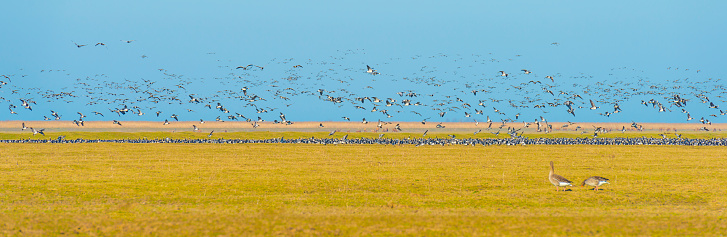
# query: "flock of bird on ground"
[[438, 87]]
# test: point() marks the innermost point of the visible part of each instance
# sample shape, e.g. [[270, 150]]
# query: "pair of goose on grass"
[[560, 181]]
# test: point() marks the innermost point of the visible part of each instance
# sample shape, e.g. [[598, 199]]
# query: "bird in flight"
[[38, 131], [79, 45], [593, 105], [371, 70]]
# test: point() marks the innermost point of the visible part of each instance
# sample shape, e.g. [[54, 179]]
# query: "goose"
[[38, 131], [595, 181], [557, 180], [24, 127], [371, 70], [195, 128], [210, 135], [243, 67], [593, 105], [503, 74]]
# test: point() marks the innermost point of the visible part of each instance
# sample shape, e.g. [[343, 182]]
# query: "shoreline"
[[242, 126]]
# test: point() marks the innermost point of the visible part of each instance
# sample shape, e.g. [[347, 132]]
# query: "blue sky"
[[457, 46]]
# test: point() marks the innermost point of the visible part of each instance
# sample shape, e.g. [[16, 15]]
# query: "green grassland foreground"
[[295, 189]]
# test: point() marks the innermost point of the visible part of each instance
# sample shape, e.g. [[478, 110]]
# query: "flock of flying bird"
[[439, 87]]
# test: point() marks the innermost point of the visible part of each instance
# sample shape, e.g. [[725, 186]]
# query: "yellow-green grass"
[[69, 135], [285, 189]]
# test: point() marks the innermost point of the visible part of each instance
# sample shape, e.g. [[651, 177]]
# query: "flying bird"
[[593, 105]]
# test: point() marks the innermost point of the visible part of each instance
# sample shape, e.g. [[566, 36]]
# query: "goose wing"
[[560, 180]]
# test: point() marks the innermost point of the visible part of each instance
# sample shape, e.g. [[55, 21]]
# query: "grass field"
[[284, 189]]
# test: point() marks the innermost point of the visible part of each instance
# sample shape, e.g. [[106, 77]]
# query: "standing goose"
[[557, 180], [595, 181]]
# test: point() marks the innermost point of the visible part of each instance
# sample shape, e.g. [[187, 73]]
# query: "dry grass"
[[415, 127], [273, 189]]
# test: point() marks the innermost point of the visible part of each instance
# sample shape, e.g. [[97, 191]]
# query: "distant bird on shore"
[[595, 181], [557, 180]]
